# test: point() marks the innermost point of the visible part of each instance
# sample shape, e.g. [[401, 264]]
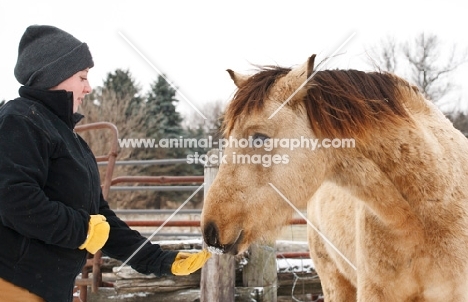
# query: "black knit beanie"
[[48, 55]]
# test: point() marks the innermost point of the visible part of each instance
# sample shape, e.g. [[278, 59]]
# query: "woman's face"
[[79, 85]]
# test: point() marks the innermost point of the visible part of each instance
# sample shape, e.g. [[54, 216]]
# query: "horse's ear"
[[239, 79], [310, 65]]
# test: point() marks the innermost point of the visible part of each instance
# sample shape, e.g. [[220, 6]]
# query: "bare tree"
[[423, 60], [109, 107], [213, 111], [430, 71], [384, 56]]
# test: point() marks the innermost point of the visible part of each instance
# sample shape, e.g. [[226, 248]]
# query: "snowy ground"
[[284, 265]]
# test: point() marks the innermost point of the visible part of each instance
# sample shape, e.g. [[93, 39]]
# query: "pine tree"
[[123, 85], [163, 122], [161, 108]]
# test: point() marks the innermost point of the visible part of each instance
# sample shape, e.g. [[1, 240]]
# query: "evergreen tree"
[[161, 109], [122, 84], [163, 123], [2, 103]]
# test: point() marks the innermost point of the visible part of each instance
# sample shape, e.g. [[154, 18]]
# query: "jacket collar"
[[60, 102]]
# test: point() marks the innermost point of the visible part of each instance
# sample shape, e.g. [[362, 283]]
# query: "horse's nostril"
[[210, 234]]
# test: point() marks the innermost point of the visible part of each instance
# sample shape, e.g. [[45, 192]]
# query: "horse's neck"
[[401, 169], [422, 161]]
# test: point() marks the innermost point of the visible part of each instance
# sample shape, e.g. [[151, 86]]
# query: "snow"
[[215, 250], [295, 265], [283, 265], [130, 295], [194, 241]]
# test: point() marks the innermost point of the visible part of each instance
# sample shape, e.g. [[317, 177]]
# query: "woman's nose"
[[88, 88]]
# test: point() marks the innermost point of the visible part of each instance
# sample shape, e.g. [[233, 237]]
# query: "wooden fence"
[[130, 286]]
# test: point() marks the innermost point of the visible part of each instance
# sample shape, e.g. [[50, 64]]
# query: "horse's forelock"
[[250, 97]]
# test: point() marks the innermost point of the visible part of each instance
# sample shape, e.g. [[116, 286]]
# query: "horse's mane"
[[350, 103], [339, 103]]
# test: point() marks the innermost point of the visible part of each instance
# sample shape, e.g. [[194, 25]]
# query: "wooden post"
[[218, 276], [260, 272]]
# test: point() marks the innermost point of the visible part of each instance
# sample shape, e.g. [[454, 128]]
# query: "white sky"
[[194, 42]]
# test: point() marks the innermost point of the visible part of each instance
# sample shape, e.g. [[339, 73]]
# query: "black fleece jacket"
[[49, 187]]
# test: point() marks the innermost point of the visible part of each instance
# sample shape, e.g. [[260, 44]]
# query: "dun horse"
[[390, 211]]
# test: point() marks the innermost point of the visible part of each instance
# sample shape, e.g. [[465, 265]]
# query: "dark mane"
[[350, 103], [250, 97], [339, 103]]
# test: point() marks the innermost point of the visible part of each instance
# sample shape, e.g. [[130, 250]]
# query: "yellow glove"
[[185, 263], [98, 233]]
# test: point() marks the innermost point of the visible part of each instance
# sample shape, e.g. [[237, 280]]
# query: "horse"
[[387, 217]]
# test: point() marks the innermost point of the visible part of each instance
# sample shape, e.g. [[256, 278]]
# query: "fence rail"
[[149, 162]]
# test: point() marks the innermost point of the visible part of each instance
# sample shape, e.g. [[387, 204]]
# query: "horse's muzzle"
[[211, 237]]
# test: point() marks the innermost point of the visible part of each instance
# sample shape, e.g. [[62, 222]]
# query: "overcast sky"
[[194, 42]]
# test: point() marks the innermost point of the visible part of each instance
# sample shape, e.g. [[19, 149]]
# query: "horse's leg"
[[328, 203], [373, 292], [335, 286]]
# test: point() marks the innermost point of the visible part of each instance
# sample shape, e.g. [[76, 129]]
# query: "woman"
[[52, 212]]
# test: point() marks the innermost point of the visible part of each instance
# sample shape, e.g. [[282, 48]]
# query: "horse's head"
[[261, 154], [282, 130]]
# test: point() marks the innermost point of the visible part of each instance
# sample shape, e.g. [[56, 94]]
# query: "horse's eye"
[[260, 136]]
